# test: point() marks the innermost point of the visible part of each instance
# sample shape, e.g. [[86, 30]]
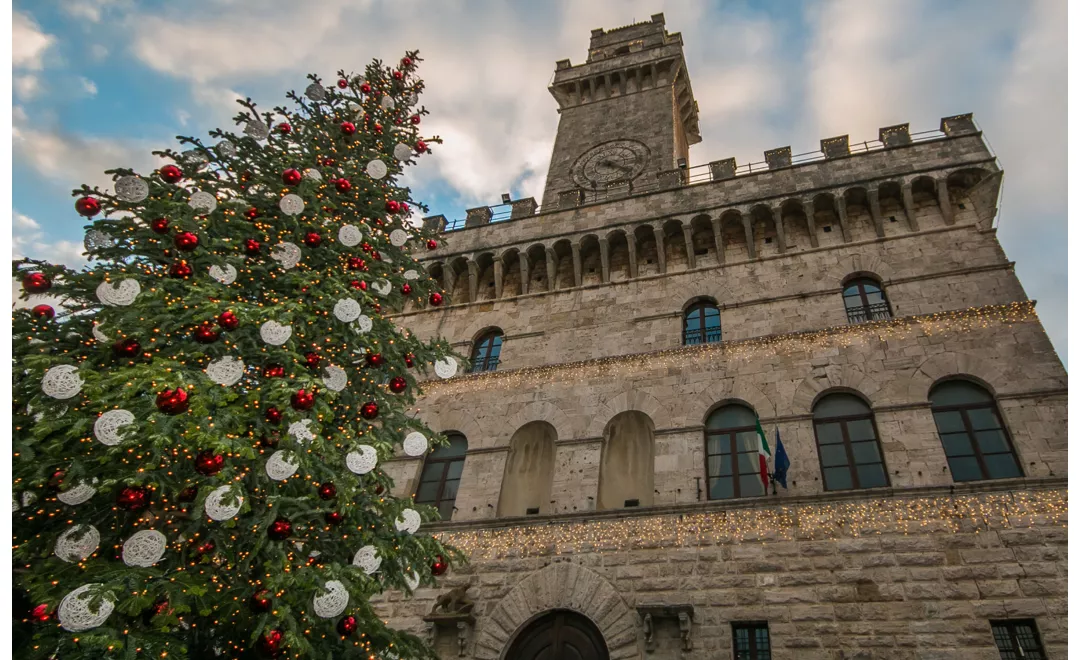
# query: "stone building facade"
[[600, 499]]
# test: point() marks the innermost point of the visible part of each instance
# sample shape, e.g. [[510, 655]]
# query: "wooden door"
[[560, 635]]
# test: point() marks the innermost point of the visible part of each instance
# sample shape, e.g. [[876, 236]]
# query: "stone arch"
[[675, 246], [638, 400], [648, 261], [618, 255], [627, 462], [836, 377], [591, 263], [937, 368], [542, 411], [457, 420], [729, 390], [485, 289], [512, 284], [564, 264], [560, 586], [538, 274], [704, 240], [529, 471], [860, 264]]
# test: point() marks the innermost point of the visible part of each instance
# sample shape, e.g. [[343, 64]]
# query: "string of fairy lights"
[[973, 513], [621, 366]]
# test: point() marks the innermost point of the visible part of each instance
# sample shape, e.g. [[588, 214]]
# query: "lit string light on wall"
[[959, 321], [813, 521]]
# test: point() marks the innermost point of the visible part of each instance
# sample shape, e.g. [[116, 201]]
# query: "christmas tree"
[[198, 425]]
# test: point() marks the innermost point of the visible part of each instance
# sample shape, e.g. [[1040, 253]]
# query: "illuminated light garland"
[[966, 320], [775, 522]]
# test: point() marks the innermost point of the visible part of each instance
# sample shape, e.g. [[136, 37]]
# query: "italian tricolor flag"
[[763, 455]]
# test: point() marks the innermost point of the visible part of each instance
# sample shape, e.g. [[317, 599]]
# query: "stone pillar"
[[661, 256], [944, 202], [435, 223], [718, 239], [811, 225], [841, 214], [909, 207], [522, 208], [748, 230], [575, 253], [605, 270], [478, 216], [474, 280], [875, 212], [631, 254], [688, 236], [498, 278], [448, 278], [778, 220], [524, 260], [551, 268]]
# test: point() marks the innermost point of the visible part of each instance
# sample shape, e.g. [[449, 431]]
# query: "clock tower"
[[627, 113]]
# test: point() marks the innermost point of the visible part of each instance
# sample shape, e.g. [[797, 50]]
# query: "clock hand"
[[610, 163]]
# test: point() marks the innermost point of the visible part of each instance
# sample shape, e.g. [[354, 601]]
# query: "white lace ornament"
[[312, 174], [335, 379], [332, 602], [62, 382], [74, 612], [399, 237], [350, 235], [226, 149], [96, 239], [28, 498], [274, 333], [286, 254], [408, 522], [315, 92], [446, 367], [362, 325], [291, 204], [367, 559], [415, 444], [107, 427], [257, 130], [413, 581], [120, 294], [144, 549], [376, 169], [301, 431], [98, 334], [362, 461], [217, 509], [131, 189], [387, 103], [402, 151], [72, 549], [203, 202], [413, 98], [77, 494], [381, 287], [412, 275], [225, 274], [347, 310], [195, 158], [281, 465], [226, 370]]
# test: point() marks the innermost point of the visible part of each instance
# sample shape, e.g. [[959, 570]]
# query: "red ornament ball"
[[180, 270], [261, 601], [206, 548], [133, 498], [205, 334], [251, 213], [126, 348], [334, 517], [171, 174], [365, 88], [369, 410], [379, 489], [36, 283], [355, 284], [409, 358], [342, 185], [273, 415], [406, 289], [342, 83], [303, 400], [41, 613], [365, 246], [347, 626], [280, 529], [88, 206], [415, 119], [228, 320], [252, 247], [43, 311], [392, 206], [186, 241], [439, 566], [327, 491], [375, 359], [348, 128], [159, 225], [273, 371], [398, 384], [312, 239], [188, 494], [406, 62], [284, 128], [404, 208], [378, 128], [291, 177], [271, 642], [435, 299], [356, 263], [329, 162], [173, 402], [421, 146], [398, 75], [432, 244], [209, 463], [312, 359]]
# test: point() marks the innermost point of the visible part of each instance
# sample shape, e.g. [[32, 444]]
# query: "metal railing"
[[482, 365], [873, 312], [692, 337]]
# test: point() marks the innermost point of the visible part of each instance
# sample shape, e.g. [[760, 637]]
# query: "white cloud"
[[71, 160], [88, 86], [28, 42], [98, 52], [28, 239], [26, 86], [91, 10]]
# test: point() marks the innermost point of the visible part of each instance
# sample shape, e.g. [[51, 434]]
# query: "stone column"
[[748, 230], [778, 220], [944, 202], [448, 278], [524, 260], [875, 211], [498, 278], [474, 280], [718, 239], [841, 214], [551, 268], [811, 225], [688, 236], [575, 253], [605, 270], [909, 207], [631, 254], [661, 256]]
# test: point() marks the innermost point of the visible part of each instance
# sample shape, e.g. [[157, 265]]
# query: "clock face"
[[612, 162]]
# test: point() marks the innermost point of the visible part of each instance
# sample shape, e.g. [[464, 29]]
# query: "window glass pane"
[[712, 318], [957, 444], [991, 441], [833, 455], [1002, 466], [748, 441], [1025, 635], [427, 491], [718, 444], [480, 350], [731, 417], [860, 429], [958, 392], [828, 434], [964, 468], [457, 447], [749, 464], [446, 509], [750, 485], [432, 471], [983, 418], [720, 466], [865, 452], [721, 489], [871, 476], [496, 347], [838, 478], [693, 320], [949, 421], [454, 471], [840, 405], [742, 639], [762, 638], [450, 489]]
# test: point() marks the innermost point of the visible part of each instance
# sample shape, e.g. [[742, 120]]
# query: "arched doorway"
[[559, 635]]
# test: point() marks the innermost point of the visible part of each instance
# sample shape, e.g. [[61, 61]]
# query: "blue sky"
[[100, 83]]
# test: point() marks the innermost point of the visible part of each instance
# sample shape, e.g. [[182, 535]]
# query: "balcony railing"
[[484, 365], [874, 312], [707, 336]]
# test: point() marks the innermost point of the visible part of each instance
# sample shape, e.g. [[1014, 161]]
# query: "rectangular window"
[[1018, 640], [750, 641], [734, 469]]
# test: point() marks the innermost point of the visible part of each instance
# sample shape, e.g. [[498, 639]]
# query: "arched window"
[[865, 301], [731, 449], [701, 323], [627, 462], [485, 354], [530, 468], [847, 440], [969, 425], [442, 471]]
